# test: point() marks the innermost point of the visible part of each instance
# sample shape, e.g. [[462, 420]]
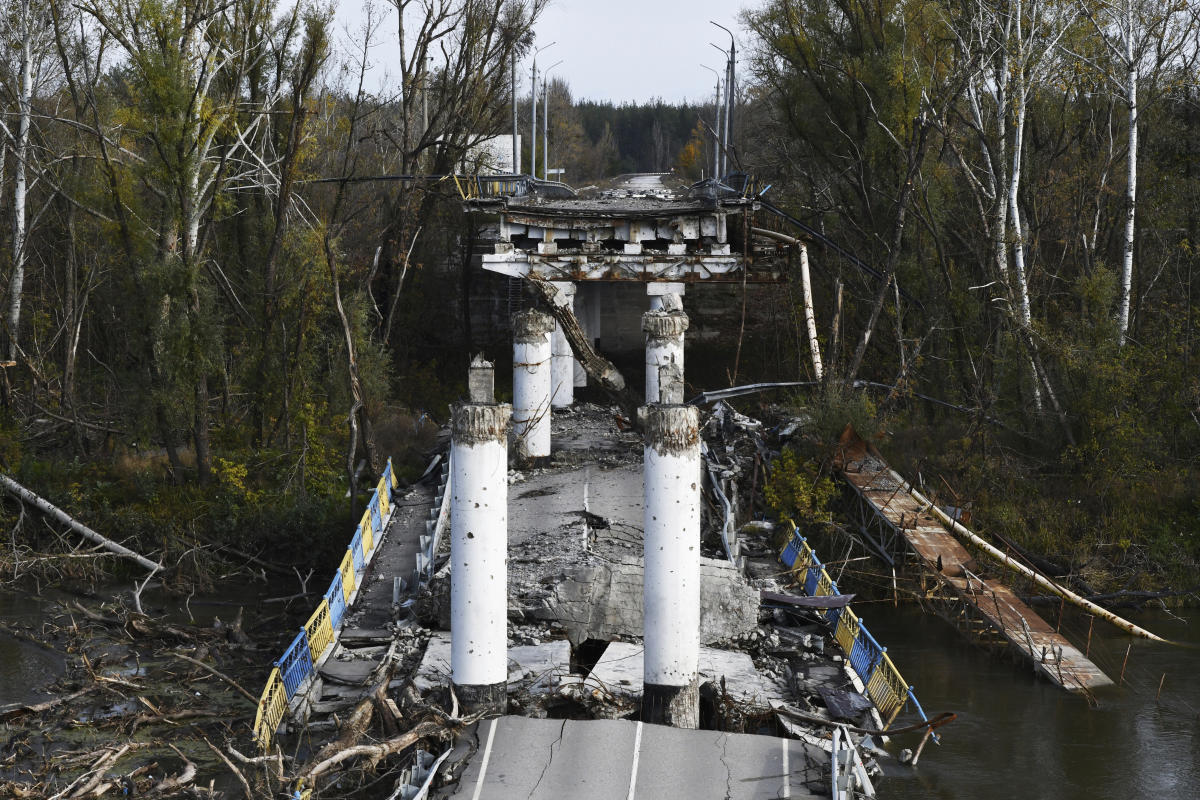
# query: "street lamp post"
[[730, 84], [717, 125], [546, 120], [533, 121]]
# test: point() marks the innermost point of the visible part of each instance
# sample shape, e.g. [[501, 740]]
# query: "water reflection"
[[1018, 736], [24, 667]]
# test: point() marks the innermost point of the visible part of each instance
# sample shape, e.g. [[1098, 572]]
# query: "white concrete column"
[[562, 390], [666, 296], [531, 383], [671, 580], [587, 311], [478, 555], [664, 345]]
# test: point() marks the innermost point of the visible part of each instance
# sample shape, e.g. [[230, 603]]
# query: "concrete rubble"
[[575, 605]]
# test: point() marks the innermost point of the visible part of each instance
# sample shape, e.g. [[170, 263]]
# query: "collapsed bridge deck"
[[971, 598]]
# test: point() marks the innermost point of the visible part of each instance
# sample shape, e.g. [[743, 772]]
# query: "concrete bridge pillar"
[[562, 391], [664, 345], [479, 547], [671, 579], [531, 383], [666, 296]]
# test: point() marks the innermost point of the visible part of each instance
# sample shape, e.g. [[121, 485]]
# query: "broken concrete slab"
[[620, 671], [604, 601], [541, 666]]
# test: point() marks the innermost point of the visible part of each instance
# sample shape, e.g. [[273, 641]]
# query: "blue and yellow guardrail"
[[884, 685], [320, 632]]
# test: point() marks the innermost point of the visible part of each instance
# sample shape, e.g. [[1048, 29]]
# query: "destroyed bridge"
[[590, 598]]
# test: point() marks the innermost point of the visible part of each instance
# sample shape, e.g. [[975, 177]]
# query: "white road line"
[[637, 746], [787, 772], [487, 754]]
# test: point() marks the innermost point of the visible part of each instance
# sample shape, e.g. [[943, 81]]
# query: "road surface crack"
[[728, 771], [550, 760]]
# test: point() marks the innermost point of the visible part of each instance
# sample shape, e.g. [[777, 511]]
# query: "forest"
[[235, 282]]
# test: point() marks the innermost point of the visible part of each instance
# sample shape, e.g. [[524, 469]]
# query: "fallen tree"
[[57, 514]]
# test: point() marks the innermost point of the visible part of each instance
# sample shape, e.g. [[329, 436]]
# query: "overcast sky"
[[619, 50], [636, 50]]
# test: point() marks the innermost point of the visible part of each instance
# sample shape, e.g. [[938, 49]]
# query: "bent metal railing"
[[885, 687], [316, 639]]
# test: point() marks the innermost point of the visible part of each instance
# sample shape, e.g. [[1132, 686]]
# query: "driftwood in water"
[[54, 512]]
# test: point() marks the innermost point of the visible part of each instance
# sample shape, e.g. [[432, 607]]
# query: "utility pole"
[[546, 120]]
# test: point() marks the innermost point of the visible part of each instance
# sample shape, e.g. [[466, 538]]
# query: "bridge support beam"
[[531, 383], [562, 391], [479, 551], [666, 296], [671, 579], [664, 346]]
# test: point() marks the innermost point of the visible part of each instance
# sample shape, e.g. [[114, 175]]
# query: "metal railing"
[[315, 640], [729, 513], [435, 527], [884, 685]]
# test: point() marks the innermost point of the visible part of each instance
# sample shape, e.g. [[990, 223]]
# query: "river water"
[[24, 666], [1018, 736]]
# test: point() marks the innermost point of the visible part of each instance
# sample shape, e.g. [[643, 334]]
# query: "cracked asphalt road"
[[548, 759]]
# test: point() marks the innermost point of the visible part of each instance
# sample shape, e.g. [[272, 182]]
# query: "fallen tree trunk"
[[598, 368], [377, 752], [54, 512], [1006, 560]]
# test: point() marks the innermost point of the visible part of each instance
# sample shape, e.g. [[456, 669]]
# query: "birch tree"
[[24, 34], [1014, 43], [1140, 38]]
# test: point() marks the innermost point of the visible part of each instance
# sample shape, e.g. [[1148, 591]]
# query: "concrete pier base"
[[677, 706], [489, 699]]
